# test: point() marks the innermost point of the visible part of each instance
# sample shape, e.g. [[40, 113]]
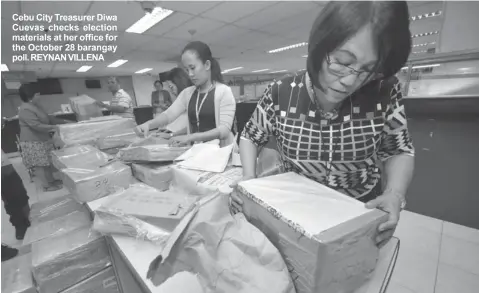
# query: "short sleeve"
[[124, 100], [260, 125], [396, 139]]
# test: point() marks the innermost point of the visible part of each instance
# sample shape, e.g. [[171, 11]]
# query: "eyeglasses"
[[342, 70]]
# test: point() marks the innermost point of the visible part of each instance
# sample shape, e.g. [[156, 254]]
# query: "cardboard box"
[[158, 176], [57, 226], [162, 209], [92, 183], [44, 211], [63, 261], [78, 156], [104, 282], [17, 275], [85, 107], [89, 132], [326, 238]]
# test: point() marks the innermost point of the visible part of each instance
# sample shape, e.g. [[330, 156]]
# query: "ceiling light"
[[84, 68], [4, 67], [231, 69], [425, 34], [261, 70], [117, 63], [149, 20], [420, 52], [288, 48], [144, 70], [305, 56], [279, 71], [423, 66], [425, 15], [423, 44]]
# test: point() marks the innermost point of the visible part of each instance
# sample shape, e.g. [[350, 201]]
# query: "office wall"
[[71, 87], [459, 30], [143, 86]]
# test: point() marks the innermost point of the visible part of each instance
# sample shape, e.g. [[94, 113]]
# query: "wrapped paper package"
[[90, 132], [85, 107], [114, 141], [199, 182], [152, 153], [228, 254], [325, 237], [89, 184], [17, 275], [104, 282], [44, 211], [63, 261], [78, 156], [57, 226], [157, 175], [161, 209]]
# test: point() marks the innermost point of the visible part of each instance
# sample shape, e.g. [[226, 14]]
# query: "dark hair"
[[26, 92], [159, 82], [339, 21], [179, 77], [204, 53]]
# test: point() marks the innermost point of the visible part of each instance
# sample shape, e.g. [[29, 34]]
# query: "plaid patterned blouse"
[[343, 153]]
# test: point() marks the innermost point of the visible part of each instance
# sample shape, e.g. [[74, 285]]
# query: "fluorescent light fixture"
[[288, 47], [423, 66], [425, 15], [144, 70], [305, 56], [279, 71], [4, 67], [118, 63], [231, 69], [260, 70], [84, 68], [423, 44], [149, 20], [425, 34], [419, 52]]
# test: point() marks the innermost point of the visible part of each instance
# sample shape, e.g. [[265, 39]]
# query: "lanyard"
[[198, 110]]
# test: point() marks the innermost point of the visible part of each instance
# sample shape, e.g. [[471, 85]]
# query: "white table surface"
[[139, 254]]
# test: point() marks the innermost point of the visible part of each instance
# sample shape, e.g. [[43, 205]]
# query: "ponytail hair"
[[203, 52]]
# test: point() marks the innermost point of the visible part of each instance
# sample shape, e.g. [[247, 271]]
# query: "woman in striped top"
[[340, 121]]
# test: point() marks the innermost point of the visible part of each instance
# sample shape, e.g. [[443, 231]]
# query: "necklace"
[[328, 115], [198, 109]]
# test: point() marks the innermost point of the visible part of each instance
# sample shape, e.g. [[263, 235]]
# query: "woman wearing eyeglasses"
[[340, 121]]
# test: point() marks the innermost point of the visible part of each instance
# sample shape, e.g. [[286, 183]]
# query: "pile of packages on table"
[[294, 235]]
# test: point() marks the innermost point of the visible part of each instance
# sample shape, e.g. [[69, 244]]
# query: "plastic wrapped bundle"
[[161, 209], [17, 275], [104, 281], [45, 211], [157, 175], [325, 237], [152, 153], [63, 261], [89, 184], [120, 140], [200, 182], [89, 132], [57, 226], [78, 156], [85, 107]]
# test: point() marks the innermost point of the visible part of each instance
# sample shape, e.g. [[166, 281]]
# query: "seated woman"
[[209, 104], [340, 121]]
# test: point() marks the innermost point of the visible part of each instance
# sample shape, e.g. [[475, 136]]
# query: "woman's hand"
[[390, 203], [180, 140], [143, 129], [236, 203], [164, 135]]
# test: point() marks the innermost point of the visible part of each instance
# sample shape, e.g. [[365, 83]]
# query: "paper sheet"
[[211, 159]]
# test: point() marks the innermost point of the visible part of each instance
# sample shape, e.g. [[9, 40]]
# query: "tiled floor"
[[434, 257]]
